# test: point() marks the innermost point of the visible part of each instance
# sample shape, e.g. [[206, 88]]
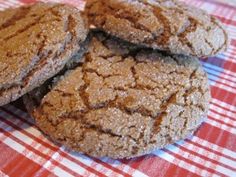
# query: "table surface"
[[210, 152]]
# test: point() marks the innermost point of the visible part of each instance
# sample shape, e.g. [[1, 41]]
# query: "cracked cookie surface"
[[36, 42], [160, 24], [123, 101]]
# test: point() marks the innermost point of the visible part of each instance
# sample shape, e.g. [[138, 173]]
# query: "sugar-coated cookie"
[[166, 25], [36, 41], [122, 101]]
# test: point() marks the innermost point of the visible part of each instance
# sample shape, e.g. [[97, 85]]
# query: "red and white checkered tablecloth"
[[24, 151]]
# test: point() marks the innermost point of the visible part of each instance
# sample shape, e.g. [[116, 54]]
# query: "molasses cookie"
[[122, 101], [36, 42], [166, 25]]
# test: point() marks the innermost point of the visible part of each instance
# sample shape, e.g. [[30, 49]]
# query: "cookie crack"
[[133, 71], [132, 51], [90, 70], [88, 125], [193, 75], [35, 22], [190, 29], [115, 104], [131, 19], [62, 93], [71, 26], [35, 61], [55, 13], [101, 130], [164, 37], [26, 28], [224, 45], [133, 23], [42, 60], [210, 45], [82, 91], [19, 15], [176, 60], [158, 119]]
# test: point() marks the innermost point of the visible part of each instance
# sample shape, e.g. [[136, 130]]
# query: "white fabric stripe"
[[51, 1], [137, 173], [20, 149], [231, 50], [12, 3], [16, 2], [221, 118], [125, 168], [217, 10], [231, 28], [9, 3], [208, 154], [223, 74], [225, 87], [214, 147], [30, 129], [89, 162], [183, 164], [3, 6], [225, 105], [227, 83], [201, 161], [227, 57], [224, 71], [83, 159], [69, 164], [29, 141], [3, 174], [231, 32], [37, 133], [227, 77], [231, 105], [86, 160], [221, 126], [223, 111]]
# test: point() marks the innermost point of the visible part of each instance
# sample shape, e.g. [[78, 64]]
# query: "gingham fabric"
[[24, 151]]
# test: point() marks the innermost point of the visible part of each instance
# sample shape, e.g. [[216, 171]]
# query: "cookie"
[[36, 42], [165, 25], [122, 101]]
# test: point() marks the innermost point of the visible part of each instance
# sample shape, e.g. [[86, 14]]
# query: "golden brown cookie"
[[161, 24], [122, 101], [36, 42]]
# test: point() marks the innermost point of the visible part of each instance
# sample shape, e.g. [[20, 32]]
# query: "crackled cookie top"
[[122, 101], [36, 41], [161, 24]]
